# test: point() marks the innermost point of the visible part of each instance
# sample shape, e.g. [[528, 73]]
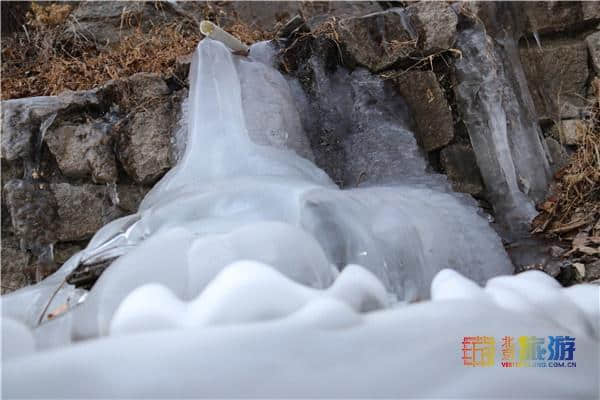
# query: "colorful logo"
[[524, 351]]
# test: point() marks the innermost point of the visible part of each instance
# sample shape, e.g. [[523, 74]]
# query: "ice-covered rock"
[[249, 255], [494, 102], [236, 175]]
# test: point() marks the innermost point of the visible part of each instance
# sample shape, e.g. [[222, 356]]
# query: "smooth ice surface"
[[498, 111], [247, 264], [360, 128]]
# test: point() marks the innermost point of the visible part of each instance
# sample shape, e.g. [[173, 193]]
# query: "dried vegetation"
[[572, 211], [44, 58]]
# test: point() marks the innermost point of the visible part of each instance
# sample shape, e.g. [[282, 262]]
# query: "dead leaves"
[[572, 213], [582, 243]]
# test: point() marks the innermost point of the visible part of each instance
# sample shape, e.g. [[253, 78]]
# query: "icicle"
[[536, 36]]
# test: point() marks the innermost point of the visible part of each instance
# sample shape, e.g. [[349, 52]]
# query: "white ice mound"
[[244, 292], [313, 344], [245, 189], [17, 339]]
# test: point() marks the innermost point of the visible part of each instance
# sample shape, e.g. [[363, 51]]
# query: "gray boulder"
[[557, 76], [82, 210], [430, 110], [377, 40], [144, 137], [460, 164], [84, 150], [435, 24], [593, 44], [32, 208], [23, 120]]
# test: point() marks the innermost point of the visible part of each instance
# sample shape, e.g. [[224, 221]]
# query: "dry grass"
[[41, 63], [574, 204], [44, 60]]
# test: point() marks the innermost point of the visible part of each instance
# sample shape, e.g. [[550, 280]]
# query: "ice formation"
[[247, 272], [499, 114]]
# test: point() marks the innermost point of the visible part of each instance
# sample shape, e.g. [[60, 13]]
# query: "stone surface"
[[144, 143], [557, 76], [430, 110], [558, 153], [82, 210], [130, 197], [593, 44], [377, 40], [54, 147], [435, 24], [555, 16], [570, 131], [143, 135], [84, 150], [182, 66], [64, 251], [381, 39], [460, 165], [23, 118], [106, 22], [590, 10], [268, 15], [32, 208], [15, 264]]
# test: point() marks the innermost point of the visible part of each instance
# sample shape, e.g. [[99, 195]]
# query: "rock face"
[[435, 25], [16, 270], [82, 210], [32, 209], [558, 154], [144, 138], [23, 118], [84, 150], [430, 110], [380, 40], [593, 44], [460, 165], [74, 162], [557, 76], [556, 16], [570, 131], [107, 22]]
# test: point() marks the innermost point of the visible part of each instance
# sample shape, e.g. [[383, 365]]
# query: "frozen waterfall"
[[248, 272]]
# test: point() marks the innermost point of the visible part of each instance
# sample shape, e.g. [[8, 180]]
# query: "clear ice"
[[499, 114], [248, 272]]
